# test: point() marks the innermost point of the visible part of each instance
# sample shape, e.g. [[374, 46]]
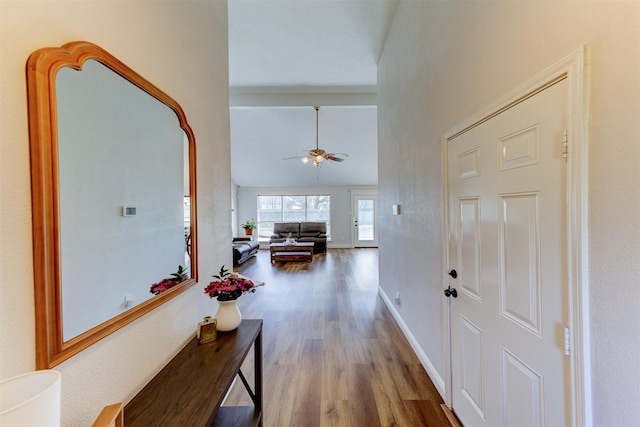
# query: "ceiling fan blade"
[[337, 157], [308, 153]]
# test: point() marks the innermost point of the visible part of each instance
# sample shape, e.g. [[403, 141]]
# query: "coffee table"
[[300, 251]]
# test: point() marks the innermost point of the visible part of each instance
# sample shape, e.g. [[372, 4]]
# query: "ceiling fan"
[[318, 155]]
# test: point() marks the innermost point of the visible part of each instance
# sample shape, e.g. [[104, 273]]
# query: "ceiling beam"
[[301, 96]]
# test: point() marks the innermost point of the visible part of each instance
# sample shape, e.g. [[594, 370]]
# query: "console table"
[[189, 390]]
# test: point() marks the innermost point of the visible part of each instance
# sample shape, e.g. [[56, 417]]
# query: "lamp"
[[31, 399]]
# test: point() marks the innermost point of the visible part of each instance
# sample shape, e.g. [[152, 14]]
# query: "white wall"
[[180, 46], [442, 62], [340, 207]]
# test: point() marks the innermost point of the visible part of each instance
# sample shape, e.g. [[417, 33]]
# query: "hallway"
[[333, 354]]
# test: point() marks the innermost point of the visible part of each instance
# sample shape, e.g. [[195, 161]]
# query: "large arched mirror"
[[113, 188]]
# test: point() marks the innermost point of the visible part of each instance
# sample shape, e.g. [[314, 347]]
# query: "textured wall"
[[443, 61], [181, 47]]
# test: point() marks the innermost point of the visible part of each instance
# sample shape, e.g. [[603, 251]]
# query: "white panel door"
[[507, 244]]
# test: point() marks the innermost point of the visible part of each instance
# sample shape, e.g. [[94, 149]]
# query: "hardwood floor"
[[332, 352]]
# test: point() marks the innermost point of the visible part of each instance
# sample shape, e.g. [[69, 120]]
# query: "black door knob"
[[453, 274], [451, 292]]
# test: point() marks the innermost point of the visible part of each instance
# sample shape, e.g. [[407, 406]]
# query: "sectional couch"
[[315, 232], [243, 249]]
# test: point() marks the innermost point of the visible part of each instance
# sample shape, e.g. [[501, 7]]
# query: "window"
[[314, 208]]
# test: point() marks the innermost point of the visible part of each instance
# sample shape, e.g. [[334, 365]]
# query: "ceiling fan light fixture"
[[317, 155]]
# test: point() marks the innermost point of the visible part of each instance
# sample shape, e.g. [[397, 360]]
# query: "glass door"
[[365, 220]]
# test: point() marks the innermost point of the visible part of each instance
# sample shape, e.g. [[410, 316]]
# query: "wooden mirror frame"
[[42, 67]]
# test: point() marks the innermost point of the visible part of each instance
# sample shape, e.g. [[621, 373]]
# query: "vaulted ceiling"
[[285, 56]]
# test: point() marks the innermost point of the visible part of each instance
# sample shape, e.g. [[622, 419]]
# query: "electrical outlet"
[[397, 298], [128, 301]]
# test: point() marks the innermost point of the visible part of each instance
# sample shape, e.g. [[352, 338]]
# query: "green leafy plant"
[[180, 275], [249, 224], [222, 274]]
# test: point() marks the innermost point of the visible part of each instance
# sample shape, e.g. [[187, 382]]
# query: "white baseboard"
[[426, 363], [339, 245]]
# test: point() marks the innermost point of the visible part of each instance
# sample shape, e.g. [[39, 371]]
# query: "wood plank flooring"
[[332, 352]]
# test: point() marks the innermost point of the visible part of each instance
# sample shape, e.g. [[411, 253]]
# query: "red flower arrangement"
[[229, 286], [162, 286], [170, 282]]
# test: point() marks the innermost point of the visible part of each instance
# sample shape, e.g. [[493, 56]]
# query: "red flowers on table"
[[228, 286]]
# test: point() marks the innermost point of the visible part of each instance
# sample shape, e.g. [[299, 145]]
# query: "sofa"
[[243, 249], [315, 232]]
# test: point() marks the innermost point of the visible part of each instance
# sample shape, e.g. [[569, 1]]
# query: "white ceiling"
[[316, 52], [257, 150]]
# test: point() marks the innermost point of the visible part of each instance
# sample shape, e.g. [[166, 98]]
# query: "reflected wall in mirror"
[[113, 185]]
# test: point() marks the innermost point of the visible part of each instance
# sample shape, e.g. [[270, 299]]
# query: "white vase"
[[228, 316]]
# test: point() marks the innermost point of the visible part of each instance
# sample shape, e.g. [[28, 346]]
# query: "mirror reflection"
[[123, 220], [113, 181]]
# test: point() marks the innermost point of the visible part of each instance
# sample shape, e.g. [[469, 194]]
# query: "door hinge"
[[565, 144], [567, 341]]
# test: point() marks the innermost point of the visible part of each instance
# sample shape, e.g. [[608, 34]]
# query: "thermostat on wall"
[[128, 211], [396, 209]]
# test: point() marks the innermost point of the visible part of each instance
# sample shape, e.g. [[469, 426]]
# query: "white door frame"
[[354, 210], [572, 68]]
